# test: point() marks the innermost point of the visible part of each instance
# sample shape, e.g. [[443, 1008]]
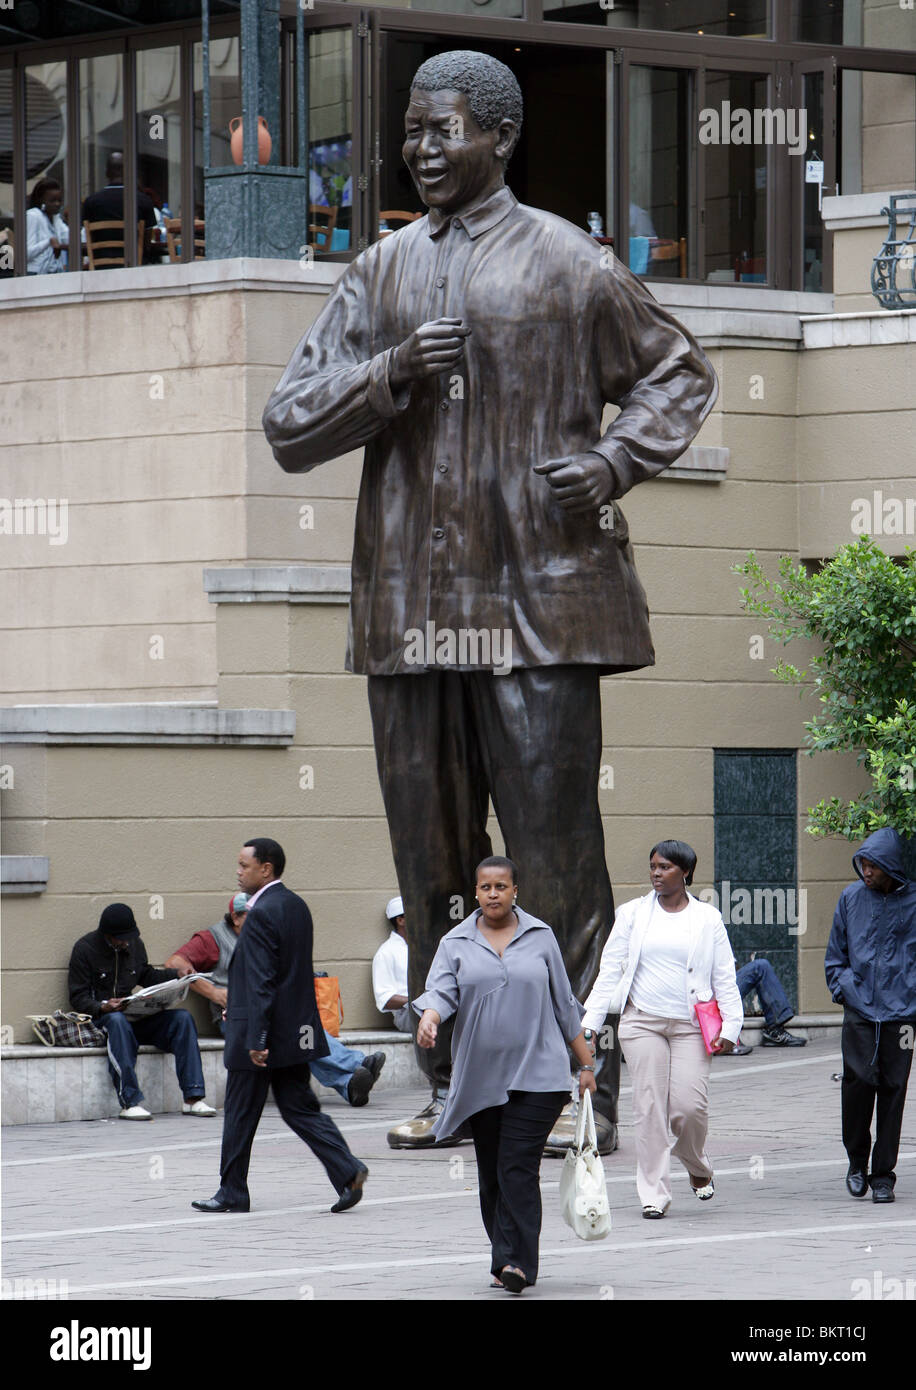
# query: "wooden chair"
[[321, 227], [664, 250], [115, 244], [394, 215], [173, 238]]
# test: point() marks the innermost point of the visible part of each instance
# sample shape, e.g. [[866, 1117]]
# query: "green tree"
[[861, 608]]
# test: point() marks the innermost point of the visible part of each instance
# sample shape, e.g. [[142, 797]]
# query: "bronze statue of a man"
[[473, 352]]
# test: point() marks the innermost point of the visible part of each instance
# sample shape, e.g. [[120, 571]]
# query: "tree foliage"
[[861, 608]]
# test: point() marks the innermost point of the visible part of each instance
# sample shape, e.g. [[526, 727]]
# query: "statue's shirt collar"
[[475, 220]]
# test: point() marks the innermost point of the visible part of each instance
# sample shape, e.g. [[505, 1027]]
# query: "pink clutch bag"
[[709, 1019]]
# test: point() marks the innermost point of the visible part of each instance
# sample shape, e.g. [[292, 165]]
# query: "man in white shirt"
[[389, 969]]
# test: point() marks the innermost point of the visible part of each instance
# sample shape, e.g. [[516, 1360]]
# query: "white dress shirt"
[[389, 970]]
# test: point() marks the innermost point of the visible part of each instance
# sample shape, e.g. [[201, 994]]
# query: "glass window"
[[101, 85], [45, 158], [736, 176], [158, 86], [225, 104], [659, 217], [7, 220], [863, 23], [330, 135], [738, 18], [813, 221]]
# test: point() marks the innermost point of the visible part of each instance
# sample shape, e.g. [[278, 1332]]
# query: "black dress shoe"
[[857, 1183], [217, 1204], [374, 1063], [354, 1192], [359, 1086], [882, 1190]]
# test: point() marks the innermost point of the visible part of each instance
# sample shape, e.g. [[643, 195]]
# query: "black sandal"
[[512, 1279]]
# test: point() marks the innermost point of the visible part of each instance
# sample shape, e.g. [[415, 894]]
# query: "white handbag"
[[583, 1193]]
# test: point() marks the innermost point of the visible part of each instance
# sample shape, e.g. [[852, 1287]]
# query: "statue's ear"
[[508, 133]]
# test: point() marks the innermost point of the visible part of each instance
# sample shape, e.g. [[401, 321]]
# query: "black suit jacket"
[[272, 987]]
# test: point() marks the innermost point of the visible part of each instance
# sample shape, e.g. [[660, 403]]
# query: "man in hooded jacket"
[[871, 970]]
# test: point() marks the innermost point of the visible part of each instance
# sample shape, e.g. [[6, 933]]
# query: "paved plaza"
[[105, 1207]]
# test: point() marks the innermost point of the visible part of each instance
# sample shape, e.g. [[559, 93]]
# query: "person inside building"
[[758, 976], [389, 969], [106, 965], [107, 205], [870, 966], [48, 233], [351, 1073]]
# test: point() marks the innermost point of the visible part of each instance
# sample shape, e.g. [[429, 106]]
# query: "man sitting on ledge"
[[105, 966]]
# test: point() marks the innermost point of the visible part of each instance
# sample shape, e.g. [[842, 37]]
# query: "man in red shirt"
[[351, 1073]]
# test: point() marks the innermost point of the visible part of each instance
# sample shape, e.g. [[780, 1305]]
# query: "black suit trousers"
[[448, 741], [246, 1092], [876, 1067], [509, 1141]]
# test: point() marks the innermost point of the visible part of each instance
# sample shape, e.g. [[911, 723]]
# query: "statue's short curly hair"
[[491, 88]]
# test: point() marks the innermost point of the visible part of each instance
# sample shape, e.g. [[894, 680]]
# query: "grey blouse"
[[515, 1016]]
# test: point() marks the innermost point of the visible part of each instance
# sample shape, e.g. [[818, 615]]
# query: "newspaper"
[[154, 998]]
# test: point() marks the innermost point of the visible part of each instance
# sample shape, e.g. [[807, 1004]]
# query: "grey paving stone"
[[105, 1206]]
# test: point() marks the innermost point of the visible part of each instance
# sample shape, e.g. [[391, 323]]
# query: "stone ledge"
[[701, 463], [23, 874], [151, 723], [852, 210], [866, 328], [156, 281], [45, 1085], [278, 584]]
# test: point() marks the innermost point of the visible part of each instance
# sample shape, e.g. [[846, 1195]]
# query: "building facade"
[[175, 606]]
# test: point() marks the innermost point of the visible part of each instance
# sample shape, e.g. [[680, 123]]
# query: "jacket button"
[[438, 533]]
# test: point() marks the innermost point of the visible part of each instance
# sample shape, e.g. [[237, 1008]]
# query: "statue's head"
[[462, 124]]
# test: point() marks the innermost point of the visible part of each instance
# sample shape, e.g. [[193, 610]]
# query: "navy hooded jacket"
[[871, 955]]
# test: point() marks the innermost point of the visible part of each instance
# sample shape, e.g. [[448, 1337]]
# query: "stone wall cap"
[[278, 584], [143, 281], [851, 210], [145, 723]]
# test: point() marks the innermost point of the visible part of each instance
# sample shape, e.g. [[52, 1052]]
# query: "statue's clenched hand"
[[579, 481], [434, 347]]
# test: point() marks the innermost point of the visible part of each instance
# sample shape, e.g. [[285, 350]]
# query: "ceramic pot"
[[237, 138]]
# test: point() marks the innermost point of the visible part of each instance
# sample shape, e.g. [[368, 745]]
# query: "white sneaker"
[[134, 1112], [196, 1107]]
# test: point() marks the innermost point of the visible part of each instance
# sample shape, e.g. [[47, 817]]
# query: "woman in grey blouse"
[[501, 973]]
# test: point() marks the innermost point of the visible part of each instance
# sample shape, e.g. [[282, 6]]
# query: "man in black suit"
[[272, 1030]]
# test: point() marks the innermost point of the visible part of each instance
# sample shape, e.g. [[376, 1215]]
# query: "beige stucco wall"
[[163, 488]]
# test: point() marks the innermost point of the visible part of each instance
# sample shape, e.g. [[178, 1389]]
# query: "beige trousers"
[[669, 1067]]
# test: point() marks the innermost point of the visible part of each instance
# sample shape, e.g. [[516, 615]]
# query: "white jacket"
[[710, 966]]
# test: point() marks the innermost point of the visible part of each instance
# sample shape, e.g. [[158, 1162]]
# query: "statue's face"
[[451, 160]]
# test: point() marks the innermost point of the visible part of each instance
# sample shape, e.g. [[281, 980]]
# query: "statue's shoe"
[[563, 1134], [417, 1133]]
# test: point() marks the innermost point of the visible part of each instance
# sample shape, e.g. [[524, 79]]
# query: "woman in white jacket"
[[667, 951]]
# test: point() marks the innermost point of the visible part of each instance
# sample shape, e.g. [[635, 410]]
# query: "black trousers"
[[246, 1092], [876, 1068], [509, 1140], [446, 742]]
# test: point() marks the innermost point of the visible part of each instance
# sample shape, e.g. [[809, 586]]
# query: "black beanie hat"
[[117, 920]]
